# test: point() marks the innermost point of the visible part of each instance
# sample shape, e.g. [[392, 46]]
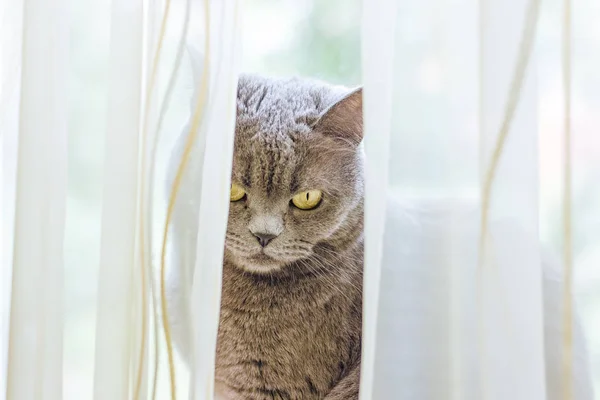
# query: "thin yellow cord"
[[196, 120], [156, 336], [162, 113], [525, 47], [480, 335], [140, 368], [142, 242], [567, 209]]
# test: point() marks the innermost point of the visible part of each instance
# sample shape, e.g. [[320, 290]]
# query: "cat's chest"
[[292, 342]]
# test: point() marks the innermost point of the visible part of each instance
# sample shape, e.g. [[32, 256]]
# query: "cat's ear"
[[344, 119]]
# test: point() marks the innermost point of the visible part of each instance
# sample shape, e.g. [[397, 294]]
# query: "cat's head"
[[297, 176]]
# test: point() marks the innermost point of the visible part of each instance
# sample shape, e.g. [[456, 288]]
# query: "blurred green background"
[[321, 39]]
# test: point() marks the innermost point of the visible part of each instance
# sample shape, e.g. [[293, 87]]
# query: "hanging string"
[[525, 47], [567, 211], [480, 335], [514, 94], [154, 147], [145, 245], [192, 135]]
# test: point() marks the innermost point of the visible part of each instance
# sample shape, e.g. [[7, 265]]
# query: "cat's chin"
[[259, 263]]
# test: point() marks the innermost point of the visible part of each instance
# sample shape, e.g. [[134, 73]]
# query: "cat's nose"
[[264, 238]]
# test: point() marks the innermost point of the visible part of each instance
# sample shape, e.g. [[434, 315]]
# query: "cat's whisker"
[[335, 270], [346, 148], [344, 256], [323, 275], [338, 255], [320, 275]]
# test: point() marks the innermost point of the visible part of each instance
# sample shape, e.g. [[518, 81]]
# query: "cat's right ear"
[[344, 119]]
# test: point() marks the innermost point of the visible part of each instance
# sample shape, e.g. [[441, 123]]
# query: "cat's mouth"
[[265, 260], [261, 263], [262, 257]]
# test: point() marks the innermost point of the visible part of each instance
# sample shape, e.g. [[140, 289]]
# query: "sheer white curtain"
[[34, 68], [211, 127], [34, 138], [456, 287], [114, 347], [10, 49], [455, 281]]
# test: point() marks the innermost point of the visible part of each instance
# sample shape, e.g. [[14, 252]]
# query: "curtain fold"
[[217, 131], [10, 94], [114, 327], [511, 310], [378, 27], [36, 311], [452, 319]]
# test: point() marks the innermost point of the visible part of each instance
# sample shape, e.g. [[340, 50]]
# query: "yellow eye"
[[307, 200], [237, 193]]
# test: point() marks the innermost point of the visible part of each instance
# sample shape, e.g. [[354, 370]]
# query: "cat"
[[291, 306]]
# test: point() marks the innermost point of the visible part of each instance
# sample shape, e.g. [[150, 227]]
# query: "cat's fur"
[[291, 313], [290, 323]]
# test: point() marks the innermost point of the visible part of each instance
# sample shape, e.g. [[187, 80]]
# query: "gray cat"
[[291, 307], [290, 323]]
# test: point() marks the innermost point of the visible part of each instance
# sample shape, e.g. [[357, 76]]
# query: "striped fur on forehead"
[[271, 163], [274, 129]]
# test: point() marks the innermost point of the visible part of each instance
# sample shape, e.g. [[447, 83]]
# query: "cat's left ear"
[[344, 119]]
